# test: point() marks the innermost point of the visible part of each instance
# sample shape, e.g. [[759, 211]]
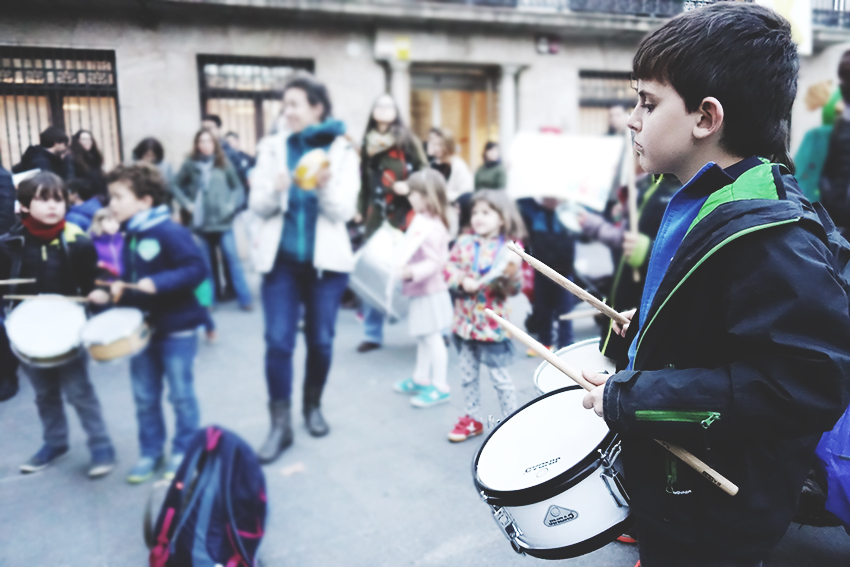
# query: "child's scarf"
[[44, 232]]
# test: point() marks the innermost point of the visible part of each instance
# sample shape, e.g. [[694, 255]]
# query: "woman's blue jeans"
[[285, 289]]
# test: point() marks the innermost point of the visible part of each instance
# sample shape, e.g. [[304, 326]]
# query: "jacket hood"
[[147, 219]]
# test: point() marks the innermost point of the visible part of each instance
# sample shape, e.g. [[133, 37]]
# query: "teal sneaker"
[[173, 464], [429, 396], [408, 386], [144, 470]]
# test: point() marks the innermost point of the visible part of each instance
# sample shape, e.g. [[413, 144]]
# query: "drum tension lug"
[[506, 522], [611, 476]]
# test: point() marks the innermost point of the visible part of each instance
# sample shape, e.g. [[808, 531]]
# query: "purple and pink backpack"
[[214, 512]]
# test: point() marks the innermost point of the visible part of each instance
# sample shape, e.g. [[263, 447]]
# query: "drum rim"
[[589, 545], [549, 488], [573, 346]]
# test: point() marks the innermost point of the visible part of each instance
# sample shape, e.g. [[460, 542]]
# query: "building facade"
[[484, 69]]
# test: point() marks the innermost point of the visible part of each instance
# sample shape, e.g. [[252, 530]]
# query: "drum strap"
[[15, 273], [67, 252]]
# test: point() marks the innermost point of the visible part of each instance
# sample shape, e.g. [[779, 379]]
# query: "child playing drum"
[[739, 350], [484, 273], [425, 255], [164, 266], [63, 261]]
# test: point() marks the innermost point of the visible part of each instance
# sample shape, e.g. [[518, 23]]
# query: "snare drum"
[[582, 355], [116, 333], [45, 331], [551, 475]]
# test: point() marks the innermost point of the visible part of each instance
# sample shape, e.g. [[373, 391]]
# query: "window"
[[73, 89], [598, 91], [245, 92]]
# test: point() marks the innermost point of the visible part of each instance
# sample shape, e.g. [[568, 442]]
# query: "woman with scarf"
[[302, 248], [390, 154], [208, 189], [492, 174]]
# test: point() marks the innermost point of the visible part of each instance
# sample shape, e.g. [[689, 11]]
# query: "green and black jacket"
[[744, 361]]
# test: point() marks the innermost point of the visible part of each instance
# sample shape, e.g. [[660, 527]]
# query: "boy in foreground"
[[739, 351], [164, 264]]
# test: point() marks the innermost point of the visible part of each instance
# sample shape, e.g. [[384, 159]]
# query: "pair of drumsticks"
[[74, 298], [710, 474]]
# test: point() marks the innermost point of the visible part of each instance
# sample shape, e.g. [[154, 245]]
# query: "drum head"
[[45, 327], [584, 355], [110, 326], [538, 443]]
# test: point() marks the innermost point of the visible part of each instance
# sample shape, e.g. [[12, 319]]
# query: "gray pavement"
[[385, 488]]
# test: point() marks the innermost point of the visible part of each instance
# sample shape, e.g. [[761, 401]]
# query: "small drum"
[[116, 333], [583, 355], [45, 331], [551, 475], [372, 278]]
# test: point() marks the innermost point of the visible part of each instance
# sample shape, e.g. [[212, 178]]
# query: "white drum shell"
[[373, 267], [597, 511], [583, 355], [110, 326], [45, 331]]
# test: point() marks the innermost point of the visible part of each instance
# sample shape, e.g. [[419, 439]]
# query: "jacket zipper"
[[698, 264], [704, 418]]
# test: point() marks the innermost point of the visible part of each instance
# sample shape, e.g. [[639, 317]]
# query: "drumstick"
[[568, 285], [75, 298], [17, 281], [572, 315], [128, 285], [703, 469]]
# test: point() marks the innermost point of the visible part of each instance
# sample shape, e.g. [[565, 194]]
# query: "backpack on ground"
[[214, 512]]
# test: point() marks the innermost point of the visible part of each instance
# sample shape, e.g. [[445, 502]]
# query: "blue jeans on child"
[[72, 380], [168, 359], [550, 302], [284, 290], [227, 242], [373, 324]]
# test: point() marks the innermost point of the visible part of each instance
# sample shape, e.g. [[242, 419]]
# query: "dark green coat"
[[224, 196], [491, 177], [377, 201]]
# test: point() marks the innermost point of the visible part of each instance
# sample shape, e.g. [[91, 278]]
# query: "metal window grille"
[[598, 91], [73, 89], [246, 92]]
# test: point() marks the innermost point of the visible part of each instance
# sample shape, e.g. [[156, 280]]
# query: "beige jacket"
[[337, 205]]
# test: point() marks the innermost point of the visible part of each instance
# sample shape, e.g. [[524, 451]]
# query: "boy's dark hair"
[[143, 179], [149, 145], [212, 118], [742, 55], [82, 187], [44, 185], [51, 136], [317, 92], [232, 133]]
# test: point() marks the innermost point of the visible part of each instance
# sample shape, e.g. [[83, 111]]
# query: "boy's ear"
[[710, 118]]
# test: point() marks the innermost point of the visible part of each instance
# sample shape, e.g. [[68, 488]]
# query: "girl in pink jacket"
[[426, 252]]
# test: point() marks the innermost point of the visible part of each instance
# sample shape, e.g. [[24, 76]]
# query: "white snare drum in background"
[[45, 331], [584, 355], [372, 278], [551, 474], [119, 332]]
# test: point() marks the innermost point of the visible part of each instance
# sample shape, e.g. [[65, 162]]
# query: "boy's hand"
[[615, 326], [630, 240], [146, 285], [405, 273], [401, 188], [99, 297], [470, 285], [594, 398]]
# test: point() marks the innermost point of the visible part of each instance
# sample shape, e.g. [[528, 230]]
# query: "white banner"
[[581, 169]]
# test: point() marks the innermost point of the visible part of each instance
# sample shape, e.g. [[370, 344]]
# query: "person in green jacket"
[[492, 174], [207, 187]]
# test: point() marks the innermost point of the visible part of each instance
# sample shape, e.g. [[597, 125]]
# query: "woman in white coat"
[[302, 249]]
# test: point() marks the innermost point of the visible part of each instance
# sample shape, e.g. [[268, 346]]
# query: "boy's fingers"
[[594, 377]]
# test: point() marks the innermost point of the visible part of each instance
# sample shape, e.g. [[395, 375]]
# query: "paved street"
[[384, 489]]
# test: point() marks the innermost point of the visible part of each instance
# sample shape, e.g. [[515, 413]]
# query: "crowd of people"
[[727, 349]]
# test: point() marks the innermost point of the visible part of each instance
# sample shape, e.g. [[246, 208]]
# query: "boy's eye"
[[648, 107]]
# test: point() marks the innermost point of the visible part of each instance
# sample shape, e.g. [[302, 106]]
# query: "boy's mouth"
[[638, 148]]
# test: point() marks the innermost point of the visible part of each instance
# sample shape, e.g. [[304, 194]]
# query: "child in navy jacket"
[[165, 265]]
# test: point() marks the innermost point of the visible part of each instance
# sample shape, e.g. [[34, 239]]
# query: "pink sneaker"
[[465, 428]]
